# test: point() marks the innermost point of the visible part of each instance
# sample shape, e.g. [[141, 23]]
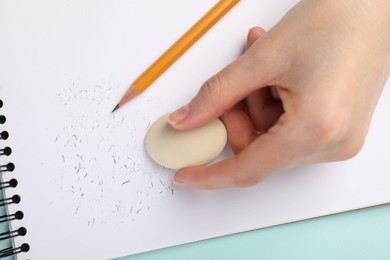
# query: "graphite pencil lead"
[[117, 106]]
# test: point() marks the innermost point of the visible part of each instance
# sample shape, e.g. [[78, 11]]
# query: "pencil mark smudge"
[[94, 162], [123, 183]]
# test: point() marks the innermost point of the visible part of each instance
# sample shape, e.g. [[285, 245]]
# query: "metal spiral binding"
[[4, 135], [15, 199], [6, 151], [13, 251], [17, 215], [7, 168], [13, 233], [8, 184]]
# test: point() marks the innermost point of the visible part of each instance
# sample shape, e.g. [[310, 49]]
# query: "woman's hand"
[[303, 93]]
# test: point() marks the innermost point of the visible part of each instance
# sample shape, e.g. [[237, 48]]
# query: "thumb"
[[266, 155], [222, 91]]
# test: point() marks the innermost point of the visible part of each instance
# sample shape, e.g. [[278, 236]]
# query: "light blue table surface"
[[357, 235]]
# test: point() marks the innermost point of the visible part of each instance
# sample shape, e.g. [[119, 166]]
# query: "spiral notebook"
[[76, 179]]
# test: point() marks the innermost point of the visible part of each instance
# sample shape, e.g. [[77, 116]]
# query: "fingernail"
[[179, 182], [179, 115], [248, 38]]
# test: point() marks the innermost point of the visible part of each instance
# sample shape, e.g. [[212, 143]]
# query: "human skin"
[[304, 92]]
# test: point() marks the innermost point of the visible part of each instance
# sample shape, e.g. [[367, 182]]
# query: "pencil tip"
[[117, 106]]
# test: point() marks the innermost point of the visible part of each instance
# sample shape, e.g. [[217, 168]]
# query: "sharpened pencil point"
[[117, 106]]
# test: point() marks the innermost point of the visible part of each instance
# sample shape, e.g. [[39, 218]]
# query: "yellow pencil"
[[176, 50]]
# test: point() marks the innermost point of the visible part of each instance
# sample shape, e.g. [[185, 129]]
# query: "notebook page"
[[88, 189]]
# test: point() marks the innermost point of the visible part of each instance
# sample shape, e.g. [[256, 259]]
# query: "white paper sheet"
[[88, 189]]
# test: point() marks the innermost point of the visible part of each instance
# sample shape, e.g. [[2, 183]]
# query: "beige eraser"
[[180, 149]]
